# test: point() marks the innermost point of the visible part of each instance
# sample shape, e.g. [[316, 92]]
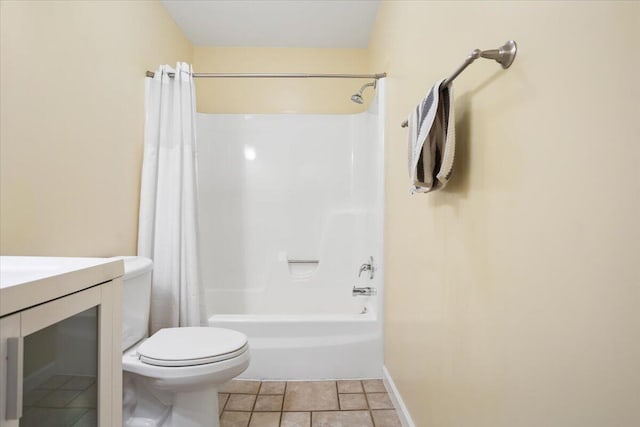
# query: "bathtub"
[[310, 346]]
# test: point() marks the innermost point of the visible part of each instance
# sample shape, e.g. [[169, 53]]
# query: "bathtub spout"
[[365, 291]]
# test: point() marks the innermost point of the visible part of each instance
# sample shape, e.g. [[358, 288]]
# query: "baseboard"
[[394, 394]]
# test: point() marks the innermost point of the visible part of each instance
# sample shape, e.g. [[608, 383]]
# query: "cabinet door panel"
[[61, 372], [9, 329], [71, 360]]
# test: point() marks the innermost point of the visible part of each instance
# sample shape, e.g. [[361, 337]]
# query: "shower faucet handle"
[[367, 267]]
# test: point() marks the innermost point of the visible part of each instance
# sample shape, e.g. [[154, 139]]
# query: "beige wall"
[[513, 297], [325, 96], [71, 123]]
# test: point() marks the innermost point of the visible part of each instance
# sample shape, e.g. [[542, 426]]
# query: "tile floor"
[[62, 400], [350, 403], [70, 401]]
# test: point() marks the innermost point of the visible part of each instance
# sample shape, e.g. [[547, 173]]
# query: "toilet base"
[[146, 406], [196, 409]]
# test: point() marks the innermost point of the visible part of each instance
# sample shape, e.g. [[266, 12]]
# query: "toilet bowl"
[[171, 379]]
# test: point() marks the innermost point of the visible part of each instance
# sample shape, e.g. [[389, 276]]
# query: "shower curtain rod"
[[282, 75]]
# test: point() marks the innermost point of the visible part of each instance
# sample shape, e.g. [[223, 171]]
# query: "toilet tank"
[[136, 299]]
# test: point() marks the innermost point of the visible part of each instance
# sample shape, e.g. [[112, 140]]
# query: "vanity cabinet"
[[62, 360]]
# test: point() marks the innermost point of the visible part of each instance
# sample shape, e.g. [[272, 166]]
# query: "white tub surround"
[[291, 207]]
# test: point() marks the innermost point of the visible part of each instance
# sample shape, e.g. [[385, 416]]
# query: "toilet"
[[171, 379]]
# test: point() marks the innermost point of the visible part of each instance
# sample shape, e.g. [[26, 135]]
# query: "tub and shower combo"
[[291, 220]]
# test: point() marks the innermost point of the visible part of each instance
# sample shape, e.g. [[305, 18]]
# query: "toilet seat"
[[173, 376], [191, 346]]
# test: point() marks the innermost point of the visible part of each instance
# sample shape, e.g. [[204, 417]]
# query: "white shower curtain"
[[168, 226]]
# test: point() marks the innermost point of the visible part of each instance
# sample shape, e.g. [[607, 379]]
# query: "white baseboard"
[[394, 394]]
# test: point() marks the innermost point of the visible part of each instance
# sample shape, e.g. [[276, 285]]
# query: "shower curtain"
[[168, 223]]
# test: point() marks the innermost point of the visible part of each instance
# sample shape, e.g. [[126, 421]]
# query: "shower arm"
[[366, 85]]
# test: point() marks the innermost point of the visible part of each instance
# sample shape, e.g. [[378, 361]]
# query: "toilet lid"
[[192, 346]]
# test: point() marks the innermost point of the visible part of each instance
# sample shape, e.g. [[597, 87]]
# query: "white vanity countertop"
[[28, 281]]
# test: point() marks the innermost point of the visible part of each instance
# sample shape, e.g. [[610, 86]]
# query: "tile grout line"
[[328, 410], [366, 398], [282, 404], [254, 404], [221, 410]]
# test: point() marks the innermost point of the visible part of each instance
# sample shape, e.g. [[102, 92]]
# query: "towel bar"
[[504, 55]]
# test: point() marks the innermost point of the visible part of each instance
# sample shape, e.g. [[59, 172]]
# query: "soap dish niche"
[[302, 268]]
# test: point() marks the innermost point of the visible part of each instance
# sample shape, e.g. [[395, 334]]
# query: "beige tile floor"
[[352, 403], [62, 400], [71, 401]]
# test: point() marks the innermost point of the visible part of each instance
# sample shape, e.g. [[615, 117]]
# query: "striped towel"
[[432, 140]]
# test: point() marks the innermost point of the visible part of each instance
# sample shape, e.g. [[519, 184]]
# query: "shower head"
[[357, 97]]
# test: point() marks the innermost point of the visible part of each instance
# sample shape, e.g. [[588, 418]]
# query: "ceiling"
[[276, 23]]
